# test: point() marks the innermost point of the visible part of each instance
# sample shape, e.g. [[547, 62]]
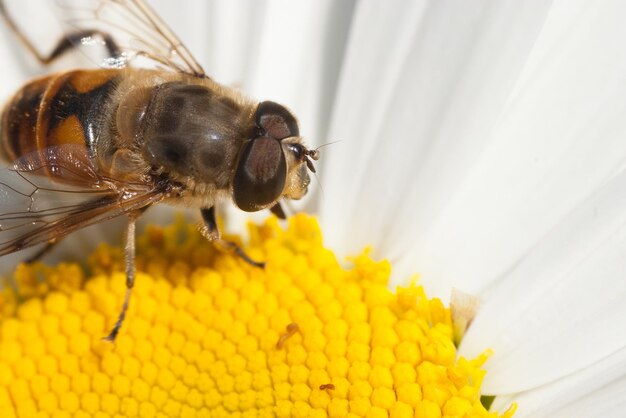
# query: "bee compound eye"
[[261, 174], [276, 120]]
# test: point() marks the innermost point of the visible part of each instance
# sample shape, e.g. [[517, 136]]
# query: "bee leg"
[[43, 251], [68, 42], [129, 253], [212, 233], [71, 40], [277, 210], [242, 254], [210, 230]]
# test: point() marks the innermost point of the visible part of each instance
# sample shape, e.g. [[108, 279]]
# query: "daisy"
[[481, 146]]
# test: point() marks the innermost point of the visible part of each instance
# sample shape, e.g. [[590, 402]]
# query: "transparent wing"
[[133, 31], [48, 194]]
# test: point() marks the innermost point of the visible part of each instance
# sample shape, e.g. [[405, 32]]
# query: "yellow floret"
[[209, 335]]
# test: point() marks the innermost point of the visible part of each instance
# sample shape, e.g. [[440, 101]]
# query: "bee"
[[146, 127]]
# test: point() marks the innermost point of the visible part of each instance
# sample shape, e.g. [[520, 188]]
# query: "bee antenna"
[[313, 153], [328, 143]]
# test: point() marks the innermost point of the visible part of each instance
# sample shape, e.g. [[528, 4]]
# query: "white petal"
[[559, 138], [421, 89], [562, 308], [597, 391], [11, 72]]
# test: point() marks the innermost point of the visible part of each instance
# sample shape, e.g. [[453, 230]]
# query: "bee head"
[[274, 163]]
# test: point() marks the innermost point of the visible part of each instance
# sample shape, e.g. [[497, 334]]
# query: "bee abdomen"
[[19, 121], [66, 108]]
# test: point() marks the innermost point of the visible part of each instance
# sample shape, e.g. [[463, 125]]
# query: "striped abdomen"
[[66, 108]]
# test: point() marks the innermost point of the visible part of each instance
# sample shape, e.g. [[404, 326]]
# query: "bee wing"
[[136, 32], [48, 194]]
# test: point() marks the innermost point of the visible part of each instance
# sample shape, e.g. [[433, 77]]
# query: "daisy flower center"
[[208, 335]]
